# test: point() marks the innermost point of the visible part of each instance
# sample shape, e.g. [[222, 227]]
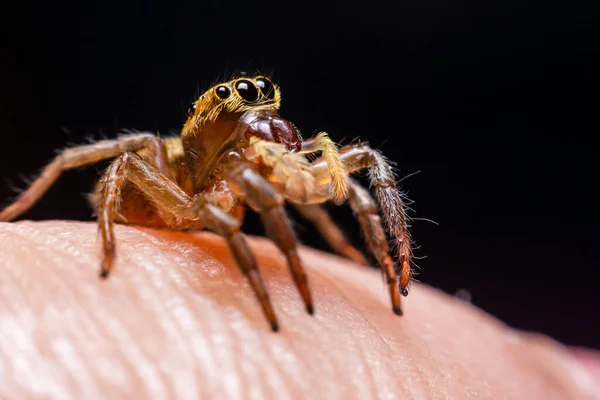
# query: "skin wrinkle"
[[248, 352], [8, 326], [158, 302], [274, 376], [136, 356], [317, 347], [225, 343], [206, 346], [414, 368], [284, 379], [378, 335], [10, 300], [155, 293], [275, 260], [431, 337], [281, 390], [293, 373], [31, 241], [201, 348], [325, 333], [147, 367], [141, 351], [296, 311], [242, 374], [368, 372], [187, 305]]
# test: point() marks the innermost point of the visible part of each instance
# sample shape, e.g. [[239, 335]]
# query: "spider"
[[235, 150]]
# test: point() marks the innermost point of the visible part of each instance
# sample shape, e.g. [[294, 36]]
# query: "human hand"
[[177, 319]]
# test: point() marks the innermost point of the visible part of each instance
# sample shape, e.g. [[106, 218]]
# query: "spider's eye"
[[246, 90], [266, 87], [191, 109], [223, 92]]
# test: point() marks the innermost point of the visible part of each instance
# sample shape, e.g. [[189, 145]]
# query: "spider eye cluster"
[[248, 90], [259, 90]]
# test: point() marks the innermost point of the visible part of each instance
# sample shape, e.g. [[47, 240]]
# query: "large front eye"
[[191, 109], [223, 92], [266, 87], [246, 90]]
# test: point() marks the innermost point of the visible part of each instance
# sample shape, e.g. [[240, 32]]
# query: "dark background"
[[494, 102]]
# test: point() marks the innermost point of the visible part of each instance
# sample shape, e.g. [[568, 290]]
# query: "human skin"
[[177, 319]]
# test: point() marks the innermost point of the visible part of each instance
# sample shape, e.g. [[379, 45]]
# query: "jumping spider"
[[235, 150]]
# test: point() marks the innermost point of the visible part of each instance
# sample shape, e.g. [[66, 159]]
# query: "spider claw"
[[274, 326], [106, 266], [403, 291], [397, 311], [307, 298], [310, 309]]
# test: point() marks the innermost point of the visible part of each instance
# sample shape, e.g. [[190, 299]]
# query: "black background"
[[495, 103]]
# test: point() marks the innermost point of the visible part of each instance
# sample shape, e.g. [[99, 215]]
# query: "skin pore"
[[177, 319]]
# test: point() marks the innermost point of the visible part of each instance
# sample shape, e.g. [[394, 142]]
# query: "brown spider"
[[235, 150]]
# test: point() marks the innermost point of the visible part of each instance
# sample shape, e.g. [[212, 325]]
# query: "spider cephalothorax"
[[251, 105], [235, 150]]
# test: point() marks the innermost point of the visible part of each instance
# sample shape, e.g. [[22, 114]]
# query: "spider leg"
[[366, 211], [179, 211], [330, 231], [171, 202], [288, 164], [83, 155], [382, 179], [262, 197], [229, 227], [307, 185], [337, 170], [291, 175], [289, 171]]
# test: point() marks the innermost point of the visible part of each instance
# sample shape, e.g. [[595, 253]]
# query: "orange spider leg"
[[171, 202], [330, 231], [337, 170], [79, 156], [382, 179], [356, 158], [366, 211], [263, 198], [227, 226], [179, 211]]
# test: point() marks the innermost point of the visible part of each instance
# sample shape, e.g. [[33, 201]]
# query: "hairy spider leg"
[[289, 173], [365, 209], [382, 179], [264, 199], [330, 231], [312, 185], [337, 170], [179, 211], [80, 156]]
